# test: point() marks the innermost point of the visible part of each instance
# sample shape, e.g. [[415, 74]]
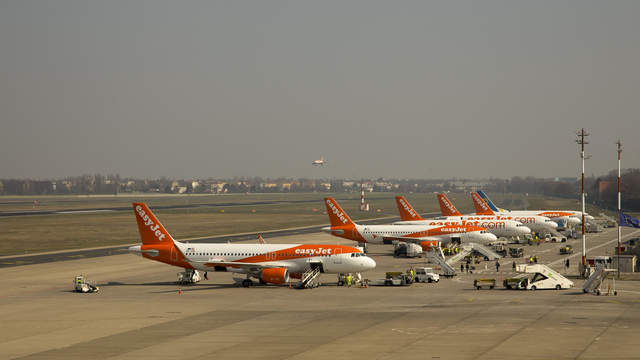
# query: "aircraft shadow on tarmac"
[[175, 286]]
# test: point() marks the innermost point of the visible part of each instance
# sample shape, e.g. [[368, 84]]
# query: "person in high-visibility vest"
[[349, 280]]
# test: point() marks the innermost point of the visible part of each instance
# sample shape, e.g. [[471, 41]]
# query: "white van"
[[423, 274]]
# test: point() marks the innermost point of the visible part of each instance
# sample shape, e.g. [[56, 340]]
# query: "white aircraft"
[[537, 223], [320, 162], [571, 217], [269, 263], [424, 235], [498, 227]]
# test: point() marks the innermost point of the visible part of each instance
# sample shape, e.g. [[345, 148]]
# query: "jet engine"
[[275, 275]]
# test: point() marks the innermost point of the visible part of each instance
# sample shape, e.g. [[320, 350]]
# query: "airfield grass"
[[34, 234]]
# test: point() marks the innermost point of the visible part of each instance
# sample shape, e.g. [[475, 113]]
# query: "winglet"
[[261, 239], [446, 207], [337, 216], [481, 207], [151, 230], [407, 213]]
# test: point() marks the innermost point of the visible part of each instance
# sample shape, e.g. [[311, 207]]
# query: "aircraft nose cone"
[[523, 230], [552, 224], [369, 263]]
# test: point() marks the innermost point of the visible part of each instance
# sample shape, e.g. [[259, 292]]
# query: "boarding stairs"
[[595, 280], [436, 256], [464, 251], [488, 253], [309, 279]]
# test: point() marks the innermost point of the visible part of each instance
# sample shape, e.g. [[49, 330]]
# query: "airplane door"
[[337, 259]]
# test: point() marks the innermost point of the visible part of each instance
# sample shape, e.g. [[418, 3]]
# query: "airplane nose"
[[369, 263], [552, 224], [523, 230]]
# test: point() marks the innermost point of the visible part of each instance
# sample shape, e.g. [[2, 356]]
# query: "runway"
[[162, 207], [139, 314]]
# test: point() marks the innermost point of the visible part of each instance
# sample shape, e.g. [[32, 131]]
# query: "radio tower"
[[581, 135], [619, 205], [363, 206]]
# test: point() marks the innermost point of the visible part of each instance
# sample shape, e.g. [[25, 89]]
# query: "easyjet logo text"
[[446, 203], [149, 223], [480, 202], [408, 208], [313, 252], [337, 212]]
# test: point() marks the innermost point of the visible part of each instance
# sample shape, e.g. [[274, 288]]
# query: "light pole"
[[581, 135], [619, 143]]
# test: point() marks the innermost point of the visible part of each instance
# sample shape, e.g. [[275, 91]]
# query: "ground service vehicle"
[[480, 283], [393, 278], [544, 278], [567, 249], [516, 252], [515, 283], [423, 274]]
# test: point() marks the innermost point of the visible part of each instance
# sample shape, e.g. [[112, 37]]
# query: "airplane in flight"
[[423, 235], [498, 227], [268, 263], [320, 162], [569, 216]]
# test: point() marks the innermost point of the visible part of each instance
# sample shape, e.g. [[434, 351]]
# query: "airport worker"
[[461, 267], [535, 259], [566, 264], [497, 266], [411, 272], [513, 266], [349, 280], [467, 267], [530, 259]]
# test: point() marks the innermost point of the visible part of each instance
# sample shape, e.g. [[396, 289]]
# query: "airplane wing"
[[418, 241], [250, 267]]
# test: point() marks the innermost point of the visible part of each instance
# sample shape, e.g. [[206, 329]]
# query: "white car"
[[423, 274]]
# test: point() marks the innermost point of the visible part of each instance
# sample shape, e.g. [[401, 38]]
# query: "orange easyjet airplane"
[[498, 227], [269, 263], [424, 235]]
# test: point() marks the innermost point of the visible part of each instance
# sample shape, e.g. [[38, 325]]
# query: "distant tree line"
[[601, 191]]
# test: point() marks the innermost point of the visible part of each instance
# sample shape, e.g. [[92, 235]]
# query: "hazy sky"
[[262, 88]]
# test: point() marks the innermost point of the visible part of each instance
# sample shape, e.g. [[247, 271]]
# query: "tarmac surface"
[[140, 314]]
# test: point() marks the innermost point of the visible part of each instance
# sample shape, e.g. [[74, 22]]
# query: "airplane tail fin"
[[446, 206], [481, 207], [490, 203], [337, 216], [151, 230], [407, 213]]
